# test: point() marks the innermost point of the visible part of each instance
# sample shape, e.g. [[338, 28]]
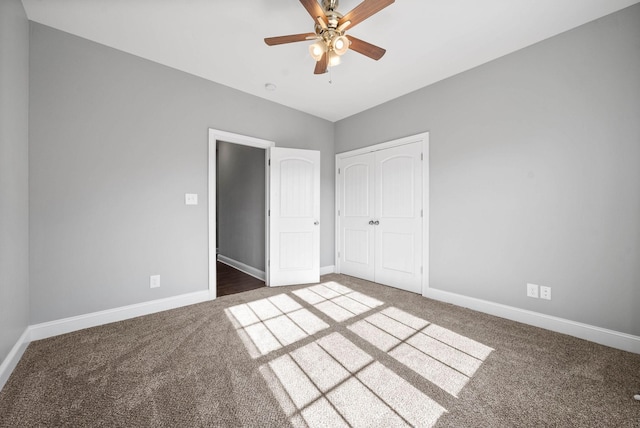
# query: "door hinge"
[[421, 213], [269, 162], [421, 156], [420, 270], [269, 263], [268, 213], [338, 170], [338, 213], [338, 254]]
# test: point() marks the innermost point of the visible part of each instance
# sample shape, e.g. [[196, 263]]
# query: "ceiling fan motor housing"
[[333, 16]]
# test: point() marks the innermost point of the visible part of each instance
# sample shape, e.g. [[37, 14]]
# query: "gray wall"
[[115, 143], [535, 173], [14, 174], [241, 203]]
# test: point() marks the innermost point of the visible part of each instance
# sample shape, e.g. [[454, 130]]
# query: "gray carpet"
[[346, 353]]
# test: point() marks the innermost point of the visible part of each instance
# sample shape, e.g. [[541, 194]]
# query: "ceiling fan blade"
[[363, 11], [321, 66], [314, 9], [366, 48], [271, 41]]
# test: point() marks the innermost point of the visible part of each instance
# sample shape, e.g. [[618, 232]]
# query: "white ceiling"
[[222, 41]]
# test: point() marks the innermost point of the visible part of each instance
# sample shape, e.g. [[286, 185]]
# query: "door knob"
[[376, 222], [315, 223], [371, 222]]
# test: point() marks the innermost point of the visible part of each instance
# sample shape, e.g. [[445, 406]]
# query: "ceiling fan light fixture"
[[329, 39], [316, 50], [340, 45]]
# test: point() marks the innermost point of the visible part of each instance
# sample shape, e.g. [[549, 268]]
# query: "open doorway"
[[240, 226], [238, 140]]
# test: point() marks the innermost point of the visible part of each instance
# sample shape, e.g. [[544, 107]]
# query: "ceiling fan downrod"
[[330, 5]]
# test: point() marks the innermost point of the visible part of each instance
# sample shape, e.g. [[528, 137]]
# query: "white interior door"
[[294, 218], [356, 216], [398, 222]]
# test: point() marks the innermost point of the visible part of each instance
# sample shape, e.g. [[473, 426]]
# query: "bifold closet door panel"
[[357, 211], [398, 219]]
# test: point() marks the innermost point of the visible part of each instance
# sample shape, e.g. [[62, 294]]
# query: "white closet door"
[[357, 210], [398, 206], [294, 227]]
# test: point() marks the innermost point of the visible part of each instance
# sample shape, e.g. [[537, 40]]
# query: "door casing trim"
[[230, 137]]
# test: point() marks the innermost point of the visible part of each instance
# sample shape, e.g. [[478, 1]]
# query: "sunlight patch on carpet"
[[331, 381], [267, 325], [444, 358], [338, 302]]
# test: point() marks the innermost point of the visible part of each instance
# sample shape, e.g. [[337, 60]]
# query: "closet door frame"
[[424, 139]]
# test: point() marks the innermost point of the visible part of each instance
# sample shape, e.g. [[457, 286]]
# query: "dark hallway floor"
[[232, 281]]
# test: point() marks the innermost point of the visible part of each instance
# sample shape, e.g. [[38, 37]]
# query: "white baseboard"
[[603, 336], [11, 360], [249, 270], [67, 325], [326, 270]]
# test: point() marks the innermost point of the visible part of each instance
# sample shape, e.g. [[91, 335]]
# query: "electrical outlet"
[[154, 281], [545, 292], [532, 290]]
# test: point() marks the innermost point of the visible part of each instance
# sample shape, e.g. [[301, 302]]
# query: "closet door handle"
[[371, 222], [376, 222], [315, 223]]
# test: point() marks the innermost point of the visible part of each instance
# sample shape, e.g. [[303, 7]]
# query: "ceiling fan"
[[329, 32]]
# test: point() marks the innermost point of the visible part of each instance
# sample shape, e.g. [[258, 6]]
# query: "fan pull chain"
[[330, 76]]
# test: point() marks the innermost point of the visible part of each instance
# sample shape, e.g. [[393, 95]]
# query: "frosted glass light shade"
[[334, 59], [340, 45], [317, 50]]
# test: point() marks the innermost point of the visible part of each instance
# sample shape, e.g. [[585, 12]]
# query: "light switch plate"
[[191, 198]]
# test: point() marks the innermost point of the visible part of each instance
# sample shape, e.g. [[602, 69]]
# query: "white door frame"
[[424, 138], [216, 135]]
